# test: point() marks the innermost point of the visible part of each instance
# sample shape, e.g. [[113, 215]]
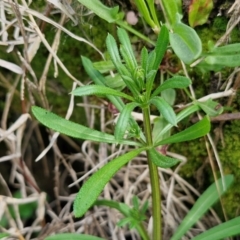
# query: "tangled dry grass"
[[22, 36]]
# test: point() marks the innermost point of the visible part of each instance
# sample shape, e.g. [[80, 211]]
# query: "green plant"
[[138, 79]]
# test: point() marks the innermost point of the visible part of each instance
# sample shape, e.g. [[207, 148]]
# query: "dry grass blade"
[[11, 66]]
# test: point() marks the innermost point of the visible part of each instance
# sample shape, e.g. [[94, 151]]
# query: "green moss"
[[220, 24], [230, 158], [37, 5], [212, 32], [230, 153], [231, 200], [235, 35], [195, 153]]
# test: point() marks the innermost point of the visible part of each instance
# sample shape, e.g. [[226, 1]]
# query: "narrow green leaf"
[[93, 73], [151, 61], [132, 86], [152, 10], [99, 79], [104, 66], [227, 49], [135, 202], [211, 108], [165, 109], [199, 11], [126, 44], [179, 5], [115, 57], [115, 82], [92, 188], [113, 50], [149, 82], [228, 229], [123, 120], [169, 95], [159, 124], [160, 49], [123, 208], [185, 43], [144, 57], [174, 82], [232, 60], [72, 129], [108, 14], [72, 236], [139, 78], [126, 211], [199, 129], [150, 76], [220, 57], [99, 90], [204, 202], [161, 46], [183, 114], [128, 61], [205, 67], [143, 9], [124, 222], [144, 207], [161, 160], [171, 10]]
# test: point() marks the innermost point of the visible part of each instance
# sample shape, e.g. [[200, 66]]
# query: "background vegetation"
[[45, 47]]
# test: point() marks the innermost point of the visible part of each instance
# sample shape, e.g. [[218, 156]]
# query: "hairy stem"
[[154, 179]]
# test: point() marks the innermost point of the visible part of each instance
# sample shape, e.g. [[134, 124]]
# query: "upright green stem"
[[154, 179]]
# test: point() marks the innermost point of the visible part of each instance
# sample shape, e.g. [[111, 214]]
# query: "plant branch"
[[154, 179]]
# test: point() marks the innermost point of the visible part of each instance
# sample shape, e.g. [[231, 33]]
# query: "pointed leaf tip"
[[92, 188]]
